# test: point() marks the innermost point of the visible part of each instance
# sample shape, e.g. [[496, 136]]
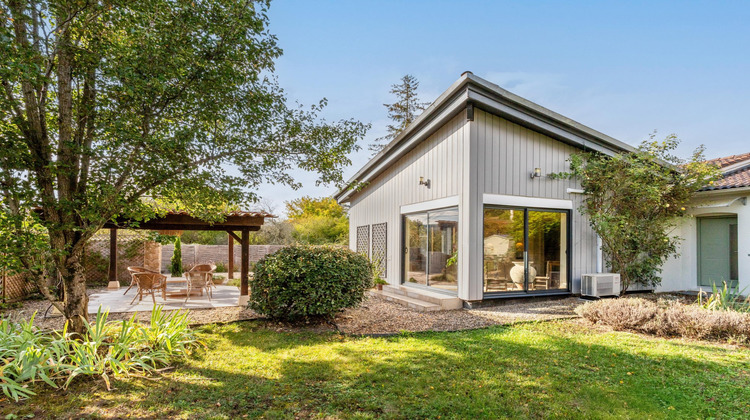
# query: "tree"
[[634, 201], [106, 107], [318, 221], [402, 112], [175, 268]]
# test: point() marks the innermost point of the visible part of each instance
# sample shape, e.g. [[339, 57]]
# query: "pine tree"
[[402, 112]]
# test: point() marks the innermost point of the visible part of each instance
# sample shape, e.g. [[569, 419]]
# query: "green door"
[[717, 251]]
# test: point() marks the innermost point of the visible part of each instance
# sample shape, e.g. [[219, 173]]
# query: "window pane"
[[415, 267], [503, 250], [547, 250], [443, 249]]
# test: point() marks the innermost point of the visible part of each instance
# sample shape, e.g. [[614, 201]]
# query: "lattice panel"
[[380, 247], [130, 252], [363, 240], [15, 287]]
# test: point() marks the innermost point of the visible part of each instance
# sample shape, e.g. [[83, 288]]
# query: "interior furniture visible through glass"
[[431, 249], [525, 250]]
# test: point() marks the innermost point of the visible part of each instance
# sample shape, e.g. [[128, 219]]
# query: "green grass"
[[538, 370]]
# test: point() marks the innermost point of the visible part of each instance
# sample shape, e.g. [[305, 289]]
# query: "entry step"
[[418, 298]]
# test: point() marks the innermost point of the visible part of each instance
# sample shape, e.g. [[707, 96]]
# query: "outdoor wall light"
[[537, 173], [425, 182]]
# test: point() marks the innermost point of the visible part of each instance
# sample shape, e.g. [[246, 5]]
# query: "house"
[[715, 243], [459, 208]]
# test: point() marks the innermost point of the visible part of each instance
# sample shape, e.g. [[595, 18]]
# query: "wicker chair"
[[133, 270], [150, 283], [199, 280]]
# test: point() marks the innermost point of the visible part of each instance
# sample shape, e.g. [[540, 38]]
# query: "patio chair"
[[135, 269], [150, 283], [199, 280], [206, 268]]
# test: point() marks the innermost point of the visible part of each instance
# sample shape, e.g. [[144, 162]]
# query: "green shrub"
[[221, 267], [306, 281], [725, 299], [107, 350], [176, 268]]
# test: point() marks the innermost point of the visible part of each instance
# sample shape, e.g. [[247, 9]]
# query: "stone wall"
[[200, 254]]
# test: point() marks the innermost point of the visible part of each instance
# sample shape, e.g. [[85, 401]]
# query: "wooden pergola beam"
[[113, 283]]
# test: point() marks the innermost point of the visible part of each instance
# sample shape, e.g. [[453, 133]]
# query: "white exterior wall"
[[439, 158], [681, 272]]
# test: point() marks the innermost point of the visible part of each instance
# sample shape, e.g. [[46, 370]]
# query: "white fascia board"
[[533, 202], [439, 203], [544, 127]]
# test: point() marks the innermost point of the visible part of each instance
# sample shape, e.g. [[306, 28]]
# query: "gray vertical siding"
[[507, 153], [468, 159], [440, 159]]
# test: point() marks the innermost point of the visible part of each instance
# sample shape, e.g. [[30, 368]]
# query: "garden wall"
[[199, 254]]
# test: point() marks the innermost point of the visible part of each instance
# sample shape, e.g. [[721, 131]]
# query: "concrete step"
[[416, 304], [446, 302]]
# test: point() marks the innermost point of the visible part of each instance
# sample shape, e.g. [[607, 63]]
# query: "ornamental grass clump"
[[303, 282], [107, 349], [668, 319]]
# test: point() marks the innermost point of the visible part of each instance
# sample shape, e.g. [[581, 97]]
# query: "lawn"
[[537, 370]]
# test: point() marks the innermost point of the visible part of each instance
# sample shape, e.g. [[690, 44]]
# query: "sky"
[[623, 68]]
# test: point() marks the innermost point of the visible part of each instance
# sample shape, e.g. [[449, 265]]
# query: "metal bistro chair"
[[150, 283], [133, 270]]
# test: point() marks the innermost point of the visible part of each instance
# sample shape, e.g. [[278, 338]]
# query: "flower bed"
[[668, 319], [108, 349]]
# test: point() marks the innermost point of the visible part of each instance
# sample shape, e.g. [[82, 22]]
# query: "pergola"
[[236, 221]]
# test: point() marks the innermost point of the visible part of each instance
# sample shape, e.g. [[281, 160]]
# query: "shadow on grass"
[[526, 371]]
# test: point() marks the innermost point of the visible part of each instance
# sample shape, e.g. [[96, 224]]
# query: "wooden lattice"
[[363, 240], [15, 287], [380, 247], [131, 250]]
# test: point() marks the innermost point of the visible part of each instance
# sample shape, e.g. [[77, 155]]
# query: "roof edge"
[[471, 89]]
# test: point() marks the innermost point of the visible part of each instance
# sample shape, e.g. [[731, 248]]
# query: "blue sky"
[[623, 68]]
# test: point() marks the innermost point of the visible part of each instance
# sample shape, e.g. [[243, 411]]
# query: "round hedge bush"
[[309, 281]]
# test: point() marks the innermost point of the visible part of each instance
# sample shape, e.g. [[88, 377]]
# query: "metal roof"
[[470, 90]]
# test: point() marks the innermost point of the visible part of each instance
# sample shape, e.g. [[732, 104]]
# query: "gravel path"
[[375, 316]]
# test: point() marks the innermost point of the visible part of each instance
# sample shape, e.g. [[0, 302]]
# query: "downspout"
[[599, 257]]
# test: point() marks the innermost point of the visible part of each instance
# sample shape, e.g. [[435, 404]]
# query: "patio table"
[[180, 292]]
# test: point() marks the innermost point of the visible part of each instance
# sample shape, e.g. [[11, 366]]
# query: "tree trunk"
[[75, 301]]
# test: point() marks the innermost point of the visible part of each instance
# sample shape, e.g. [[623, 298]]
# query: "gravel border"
[[375, 316]]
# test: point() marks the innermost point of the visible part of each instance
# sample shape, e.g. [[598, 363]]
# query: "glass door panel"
[[525, 250], [547, 250], [443, 249], [415, 263], [503, 250]]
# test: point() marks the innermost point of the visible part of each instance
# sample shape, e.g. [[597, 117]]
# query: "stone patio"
[[115, 301]]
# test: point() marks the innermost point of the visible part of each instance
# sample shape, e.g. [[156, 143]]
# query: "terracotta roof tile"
[[729, 160], [736, 179]]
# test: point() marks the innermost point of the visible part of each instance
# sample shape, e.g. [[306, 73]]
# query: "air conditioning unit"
[[602, 284]]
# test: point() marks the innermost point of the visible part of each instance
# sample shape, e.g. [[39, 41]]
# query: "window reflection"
[[432, 249], [507, 256]]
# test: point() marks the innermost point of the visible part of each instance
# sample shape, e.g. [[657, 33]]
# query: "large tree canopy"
[[104, 103]]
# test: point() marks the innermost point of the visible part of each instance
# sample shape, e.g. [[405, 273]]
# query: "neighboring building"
[[461, 202], [716, 242]]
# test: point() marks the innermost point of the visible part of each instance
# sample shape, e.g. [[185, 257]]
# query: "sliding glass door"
[[525, 250], [431, 249]]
